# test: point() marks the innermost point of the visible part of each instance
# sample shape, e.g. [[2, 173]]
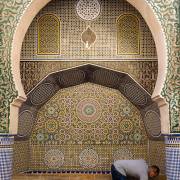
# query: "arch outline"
[[152, 21]]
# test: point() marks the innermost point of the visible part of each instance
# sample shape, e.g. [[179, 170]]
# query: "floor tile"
[[69, 177], [103, 177]]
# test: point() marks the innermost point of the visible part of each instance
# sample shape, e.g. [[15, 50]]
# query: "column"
[[6, 157], [172, 157]]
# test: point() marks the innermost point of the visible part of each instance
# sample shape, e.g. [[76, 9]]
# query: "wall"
[[144, 73], [104, 26], [86, 127], [21, 156], [12, 11], [142, 67], [157, 155]]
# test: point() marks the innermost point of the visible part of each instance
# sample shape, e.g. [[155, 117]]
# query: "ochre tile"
[[161, 177], [70, 177], [81, 177], [103, 177], [32, 177]]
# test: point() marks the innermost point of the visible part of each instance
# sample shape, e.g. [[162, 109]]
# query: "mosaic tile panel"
[[172, 157], [163, 10], [27, 116], [94, 74], [6, 141], [128, 35], [85, 130], [97, 115], [21, 156], [88, 10], [151, 117], [48, 34], [11, 11], [145, 73], [172, 77], [82, 157], [25, 124], [104, 28], [157, 155], [168, 14], [6, 157]]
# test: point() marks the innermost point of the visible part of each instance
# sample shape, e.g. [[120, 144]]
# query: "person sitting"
[[122, 169]]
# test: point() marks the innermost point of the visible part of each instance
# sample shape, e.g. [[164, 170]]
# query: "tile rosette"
[[88, 10], [122, 153], [54, 158], [88, 158], [88, 110]]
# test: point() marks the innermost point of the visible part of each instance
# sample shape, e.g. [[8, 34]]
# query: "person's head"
[[153, 171]]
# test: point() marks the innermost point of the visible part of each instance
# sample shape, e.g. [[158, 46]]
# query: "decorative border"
[[64, 171], [12, 11], [168, 15], [172, 140], [6, 142]]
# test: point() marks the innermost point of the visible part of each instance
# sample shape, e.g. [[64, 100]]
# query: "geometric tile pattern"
[[153, 3], [54, 159], [64, 137], [161, 9], [172, 157], [122, 153], [172, 140], [6, 157], [173, 163], [27, 116], [88, 158], [10, 14], [98, 75], [97, 115], [128, 37], [42, 93], [6, 141], [68, 78], [88, 10], [48, 34], [129, 90], [151, 117], [151, 122], [171, 86], [21, 156], [144, 72], [104, 27], [6, 160], [157, 154], [83, 157], [25, 123], [80, 155]]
